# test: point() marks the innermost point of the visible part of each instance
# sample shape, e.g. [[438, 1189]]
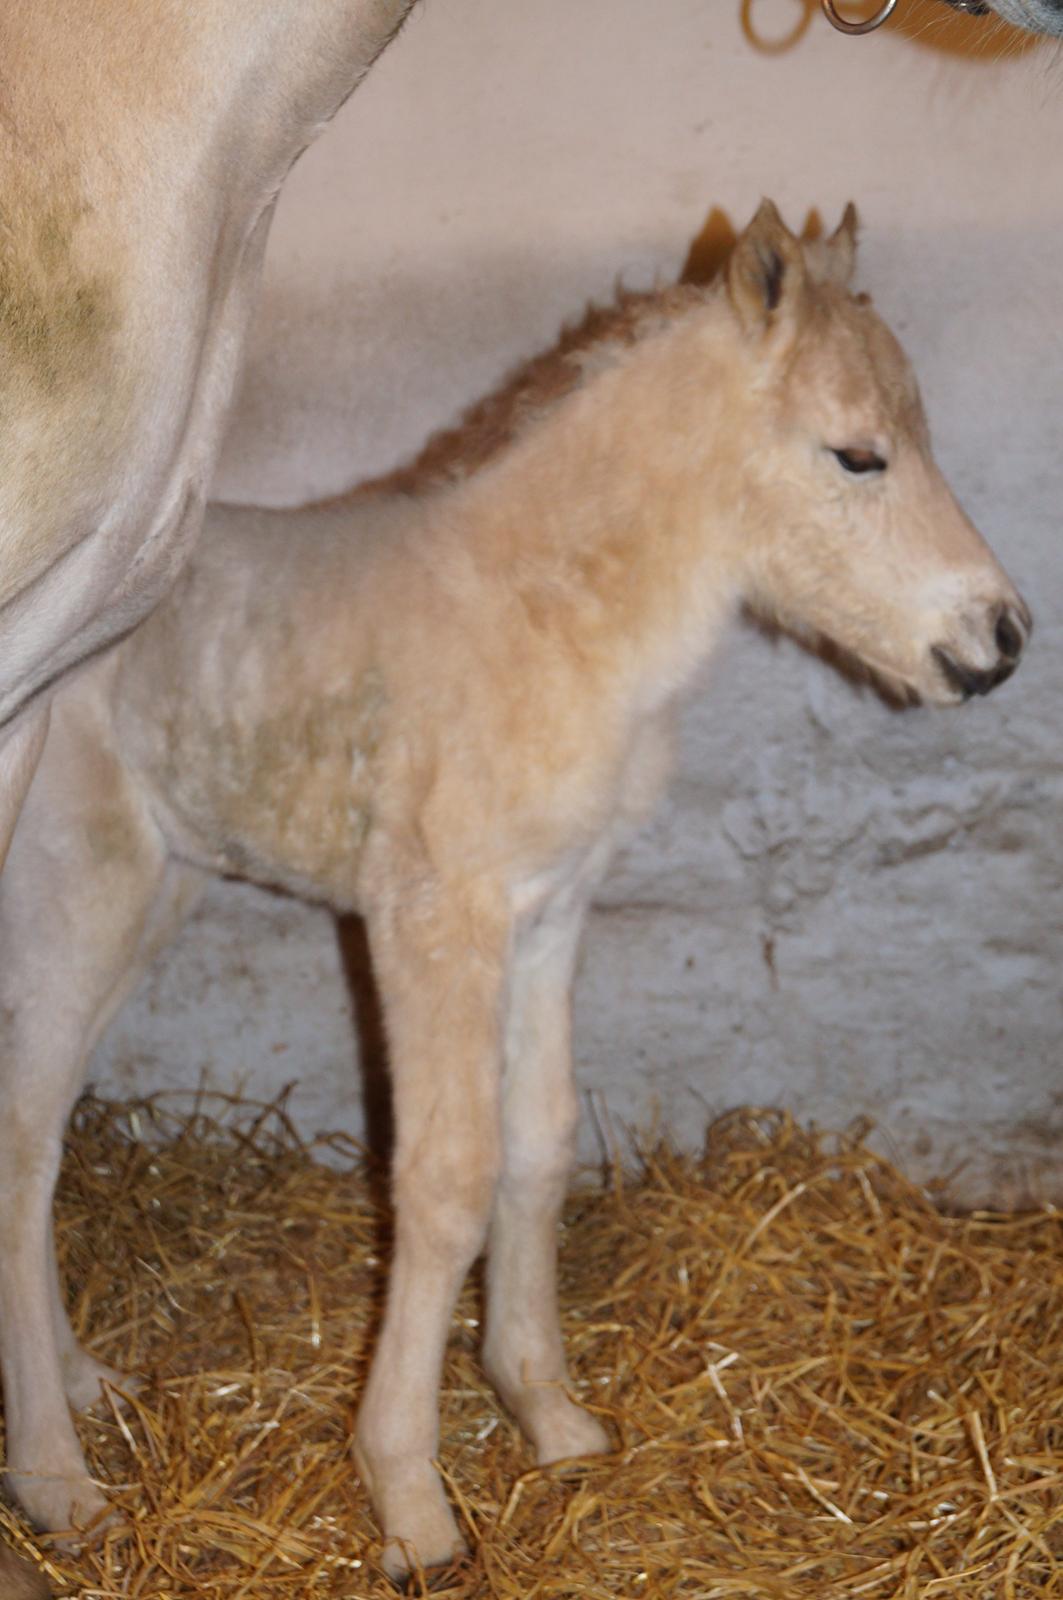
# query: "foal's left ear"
[[841, 247], [766, 273]]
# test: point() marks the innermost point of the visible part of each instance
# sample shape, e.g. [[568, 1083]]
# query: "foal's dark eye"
[[860, 460]]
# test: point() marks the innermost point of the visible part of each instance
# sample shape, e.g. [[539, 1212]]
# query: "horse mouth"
[[969, 681], [898, 693]]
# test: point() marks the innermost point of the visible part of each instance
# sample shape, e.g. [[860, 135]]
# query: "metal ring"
[[869, 24]]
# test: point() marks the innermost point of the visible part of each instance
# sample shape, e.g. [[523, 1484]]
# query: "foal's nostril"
[[1009, 636]]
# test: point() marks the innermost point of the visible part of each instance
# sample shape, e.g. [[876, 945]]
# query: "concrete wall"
[[839, 909]]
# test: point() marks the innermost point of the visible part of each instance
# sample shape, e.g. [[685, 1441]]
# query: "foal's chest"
[[285, 796]]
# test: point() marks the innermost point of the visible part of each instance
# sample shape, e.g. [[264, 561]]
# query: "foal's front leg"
[[441, 970], [523, 1351]]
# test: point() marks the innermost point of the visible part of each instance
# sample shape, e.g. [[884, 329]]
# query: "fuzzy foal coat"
[[442, 703]]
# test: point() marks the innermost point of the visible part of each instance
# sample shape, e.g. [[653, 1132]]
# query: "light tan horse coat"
[[443, 704]]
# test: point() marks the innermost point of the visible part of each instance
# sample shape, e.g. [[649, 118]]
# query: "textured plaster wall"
[[839, 909]]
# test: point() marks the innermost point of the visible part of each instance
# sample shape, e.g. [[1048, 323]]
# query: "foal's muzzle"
[[1011, 627]]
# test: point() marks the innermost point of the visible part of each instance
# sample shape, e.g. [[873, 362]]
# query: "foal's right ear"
[[841, 247], [766, 272]]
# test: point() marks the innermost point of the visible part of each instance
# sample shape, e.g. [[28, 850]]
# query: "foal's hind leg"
[[523, 1351], [80, 901], [83, 1376]]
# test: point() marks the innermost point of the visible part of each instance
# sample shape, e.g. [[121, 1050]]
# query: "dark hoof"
[[20, 1579]]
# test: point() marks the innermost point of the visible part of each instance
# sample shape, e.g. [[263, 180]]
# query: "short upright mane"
[[535, 387]]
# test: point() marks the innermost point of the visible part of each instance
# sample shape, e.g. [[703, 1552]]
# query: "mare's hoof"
[[20, 1579]]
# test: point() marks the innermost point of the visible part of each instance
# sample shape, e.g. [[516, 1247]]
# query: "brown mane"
[[535, 387]]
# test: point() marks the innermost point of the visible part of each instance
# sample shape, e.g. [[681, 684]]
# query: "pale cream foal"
[[443, 704]]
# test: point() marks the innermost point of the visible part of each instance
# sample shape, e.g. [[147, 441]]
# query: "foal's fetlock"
[[555, 1425], [550, 1420]]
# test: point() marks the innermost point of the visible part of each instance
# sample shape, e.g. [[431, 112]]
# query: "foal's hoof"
[[420, 1534], [436, 1579], [574, 1434], [406, 1568], [69, 1507]]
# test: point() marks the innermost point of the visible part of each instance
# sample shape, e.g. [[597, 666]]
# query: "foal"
[[443, 705]]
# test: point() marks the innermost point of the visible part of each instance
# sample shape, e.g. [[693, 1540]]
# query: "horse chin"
[[903, 696], [898, 692], [940, 695], [892, 687]]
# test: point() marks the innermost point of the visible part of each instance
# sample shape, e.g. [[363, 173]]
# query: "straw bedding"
[[818, 1384]]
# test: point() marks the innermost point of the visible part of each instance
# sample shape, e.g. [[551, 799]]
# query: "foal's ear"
[[766, 273], [841, 247]]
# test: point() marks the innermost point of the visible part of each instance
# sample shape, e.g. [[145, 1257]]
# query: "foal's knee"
[[444, 1198]]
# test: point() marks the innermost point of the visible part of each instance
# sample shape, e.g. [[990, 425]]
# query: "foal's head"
[[852, 535]]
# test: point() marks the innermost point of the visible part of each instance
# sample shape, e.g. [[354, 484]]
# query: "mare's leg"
[[83, 900], [523, 1352], [440, 959]]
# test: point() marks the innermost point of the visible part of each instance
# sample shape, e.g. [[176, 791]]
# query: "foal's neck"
[[614, 516]]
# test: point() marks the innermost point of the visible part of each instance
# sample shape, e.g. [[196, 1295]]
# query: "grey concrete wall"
[[839, 909]]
